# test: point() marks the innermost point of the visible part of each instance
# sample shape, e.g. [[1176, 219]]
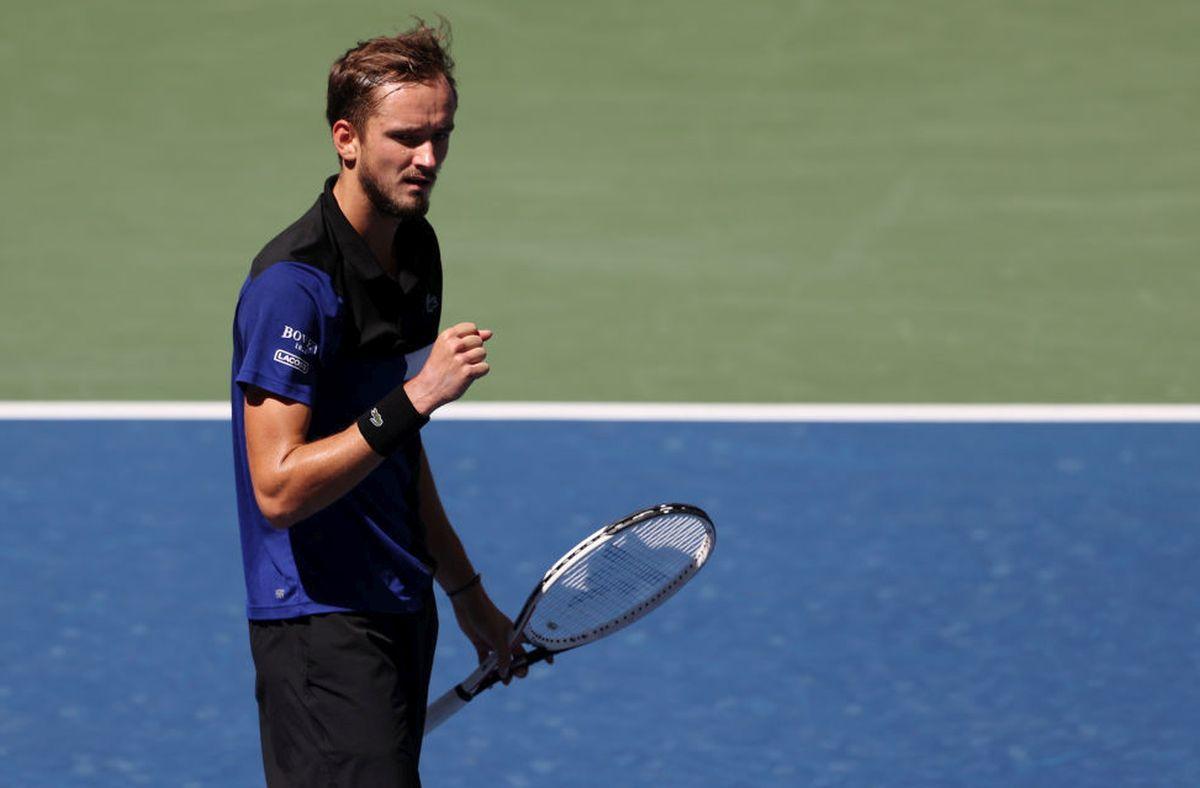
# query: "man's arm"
[[454, 569], [481, 621], [294, 479]]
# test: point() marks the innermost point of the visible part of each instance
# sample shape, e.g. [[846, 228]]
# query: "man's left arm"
[[481, 621]]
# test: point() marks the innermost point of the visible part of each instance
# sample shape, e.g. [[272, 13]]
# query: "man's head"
[[390, 108]]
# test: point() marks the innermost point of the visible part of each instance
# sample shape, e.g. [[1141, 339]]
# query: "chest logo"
[[431, 303]]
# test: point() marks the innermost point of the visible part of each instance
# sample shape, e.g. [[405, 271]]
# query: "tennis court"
[[893, 604], [789, 201]]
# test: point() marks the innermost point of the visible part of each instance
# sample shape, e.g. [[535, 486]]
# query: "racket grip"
[[457, 696], [483, 678], [443, 709]]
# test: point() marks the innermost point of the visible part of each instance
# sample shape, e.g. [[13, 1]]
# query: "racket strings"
[[621, 579]]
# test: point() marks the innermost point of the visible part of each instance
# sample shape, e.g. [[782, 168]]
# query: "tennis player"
[[337, 363]]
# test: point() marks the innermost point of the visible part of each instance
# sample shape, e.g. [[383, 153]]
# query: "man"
[[337, 364]]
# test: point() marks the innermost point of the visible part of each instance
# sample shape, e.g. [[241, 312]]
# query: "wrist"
[[471, 586], [391, 422], [422, 400]]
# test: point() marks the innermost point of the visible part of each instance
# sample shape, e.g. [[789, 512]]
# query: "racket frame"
[[594, 542], [486, 675]]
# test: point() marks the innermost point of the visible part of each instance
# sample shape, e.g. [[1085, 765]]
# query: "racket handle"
[[443, 709], [483, 678], [457, 696]]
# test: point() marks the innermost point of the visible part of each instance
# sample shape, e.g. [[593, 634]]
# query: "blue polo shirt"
[[320, 323]]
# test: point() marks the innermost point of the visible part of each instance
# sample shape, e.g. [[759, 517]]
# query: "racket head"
[[617, 575]]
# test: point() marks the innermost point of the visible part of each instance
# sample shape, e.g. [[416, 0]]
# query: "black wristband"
[[390, 422], [474, 581]]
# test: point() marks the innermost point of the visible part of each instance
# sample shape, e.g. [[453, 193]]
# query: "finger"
[[474, 355], [504, 659], [478, 370], [464, 329], [486, 333], [519, 647], [468, 342], [521, 668]]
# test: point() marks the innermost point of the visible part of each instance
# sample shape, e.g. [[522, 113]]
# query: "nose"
[[425, 156]]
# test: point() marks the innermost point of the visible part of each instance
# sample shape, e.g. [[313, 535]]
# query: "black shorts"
[[341, 697]]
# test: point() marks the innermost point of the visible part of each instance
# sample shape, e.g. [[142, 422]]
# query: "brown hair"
[[420, 54]]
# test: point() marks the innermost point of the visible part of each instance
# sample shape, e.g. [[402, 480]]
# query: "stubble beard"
[[413, 207]]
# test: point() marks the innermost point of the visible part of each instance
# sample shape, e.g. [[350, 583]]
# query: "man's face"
[[403, 145]]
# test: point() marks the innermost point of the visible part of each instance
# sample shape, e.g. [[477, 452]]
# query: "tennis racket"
[[606, 582]]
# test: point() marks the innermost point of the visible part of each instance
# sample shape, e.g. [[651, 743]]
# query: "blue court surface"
[[889, 604]]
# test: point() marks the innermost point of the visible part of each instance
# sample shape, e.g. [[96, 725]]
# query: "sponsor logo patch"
[[376, 418], [290, 360], [303, 343], [431, 303]]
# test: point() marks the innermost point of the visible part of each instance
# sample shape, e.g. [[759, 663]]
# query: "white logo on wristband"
[[376, 419]]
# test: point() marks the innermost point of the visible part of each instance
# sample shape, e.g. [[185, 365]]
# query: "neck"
[[377, 229]]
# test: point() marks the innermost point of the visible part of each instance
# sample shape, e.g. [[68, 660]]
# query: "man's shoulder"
[[288, 278], [305, 242]]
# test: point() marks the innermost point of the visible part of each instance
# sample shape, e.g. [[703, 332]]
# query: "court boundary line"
[[650, 411]]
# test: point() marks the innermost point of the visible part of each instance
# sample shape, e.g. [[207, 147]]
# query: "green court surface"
[[773, 201]]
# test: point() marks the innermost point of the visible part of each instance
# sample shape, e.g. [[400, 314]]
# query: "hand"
[[489, 630], [456, 360]]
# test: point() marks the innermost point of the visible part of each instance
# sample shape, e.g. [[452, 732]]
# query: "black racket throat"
[[531, 657]]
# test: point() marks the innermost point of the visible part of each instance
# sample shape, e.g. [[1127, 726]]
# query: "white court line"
[[649, 411]]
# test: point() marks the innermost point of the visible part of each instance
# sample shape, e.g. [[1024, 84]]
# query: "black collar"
[[384, 314], [355, 250], [353, 246]]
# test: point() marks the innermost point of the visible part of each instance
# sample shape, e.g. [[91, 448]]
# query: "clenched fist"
[[456, 360]]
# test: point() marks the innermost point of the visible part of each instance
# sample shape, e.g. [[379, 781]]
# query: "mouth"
[[420, 182]]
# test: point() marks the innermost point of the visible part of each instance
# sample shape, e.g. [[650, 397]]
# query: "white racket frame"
[[461, 694]]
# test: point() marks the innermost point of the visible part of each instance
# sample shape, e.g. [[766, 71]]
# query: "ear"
[[345, 141]]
